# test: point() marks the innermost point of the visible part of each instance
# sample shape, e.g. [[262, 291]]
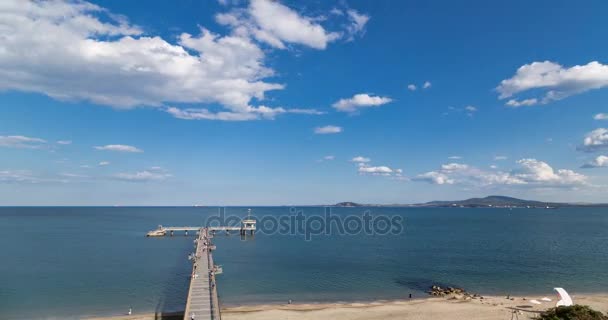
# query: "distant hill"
[[348, 204], [494, 201], [487, 202]]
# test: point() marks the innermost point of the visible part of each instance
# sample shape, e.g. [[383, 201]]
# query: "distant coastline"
[[486, 202]]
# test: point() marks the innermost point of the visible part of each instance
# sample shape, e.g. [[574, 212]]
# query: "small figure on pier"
[[130, 311], [192, 316]]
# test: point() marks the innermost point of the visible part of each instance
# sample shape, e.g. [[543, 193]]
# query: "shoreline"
[[452, 307]]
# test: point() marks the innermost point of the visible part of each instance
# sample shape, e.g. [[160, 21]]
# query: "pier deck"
[[202, 300]]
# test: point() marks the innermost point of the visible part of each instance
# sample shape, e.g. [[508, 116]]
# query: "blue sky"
[[272, 103]]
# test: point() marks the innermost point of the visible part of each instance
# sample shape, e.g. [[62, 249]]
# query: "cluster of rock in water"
[[438, 291]]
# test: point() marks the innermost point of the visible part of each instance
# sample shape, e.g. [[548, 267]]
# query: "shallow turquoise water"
[[74, 262]]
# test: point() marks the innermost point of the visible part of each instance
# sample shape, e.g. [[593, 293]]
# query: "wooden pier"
[[203, 301]]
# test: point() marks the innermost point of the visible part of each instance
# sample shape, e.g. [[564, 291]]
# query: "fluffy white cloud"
[[375, 170], [600, 161], [595, 140], [104, 163], [539, 172], [276, 24], [454, 157], [119, 148], [361, 100], [601, 116], [525, 102], [556, 81], [360, 159], [451, 167], [22, 142], [327, 130], [530, 172], [434, 177], [80, 51], [364, 168], [426, 85], [470, 109], [411, 87]]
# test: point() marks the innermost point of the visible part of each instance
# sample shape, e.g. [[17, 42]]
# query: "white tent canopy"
[[565, 299]]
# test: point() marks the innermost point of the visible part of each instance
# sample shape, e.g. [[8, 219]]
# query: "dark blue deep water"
[[75, 262]]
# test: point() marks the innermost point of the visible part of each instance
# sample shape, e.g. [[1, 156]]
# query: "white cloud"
[[119, 148], [360, 159], [470, 108], [143, 176], [555, 81], [327, 130], [26, 177], [539, 172], [499, 158], [64, 142], [526, 102], [375, 170], [250, 113], [385, 171], [455, 157], [73, 175], [530, 172], [17, 176], [434, 177], [21, 142], [600, 161], [361, 100], [426, 85], [80, 51], [329, 158], [364, 168], [104, 163], [357, 23], [601, 116], [276, 24], [595, 140], [451, 167], [411, 87]]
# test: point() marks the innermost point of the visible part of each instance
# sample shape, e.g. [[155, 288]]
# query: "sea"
[[78, 262]]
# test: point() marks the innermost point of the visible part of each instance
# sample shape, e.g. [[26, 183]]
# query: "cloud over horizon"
[[555, 81]]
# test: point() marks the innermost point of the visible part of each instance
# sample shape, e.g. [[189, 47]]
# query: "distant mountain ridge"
[[494, 201]]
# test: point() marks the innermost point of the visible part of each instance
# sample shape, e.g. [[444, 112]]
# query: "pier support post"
[[172, 233]]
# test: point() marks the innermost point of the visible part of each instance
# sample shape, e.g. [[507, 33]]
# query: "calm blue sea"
[[75, 262]]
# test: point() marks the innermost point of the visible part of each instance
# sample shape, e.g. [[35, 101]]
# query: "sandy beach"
[[454, 307]]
